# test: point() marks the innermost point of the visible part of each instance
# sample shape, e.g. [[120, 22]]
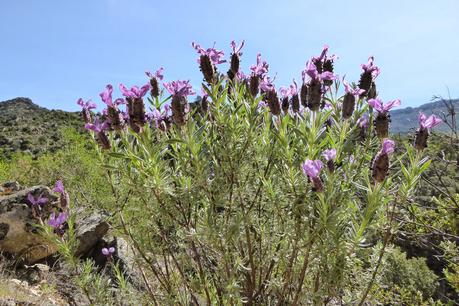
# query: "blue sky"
[[57, 51]]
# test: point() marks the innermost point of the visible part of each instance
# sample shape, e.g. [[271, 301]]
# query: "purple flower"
[[98, 126], [135, 92], [179, 88], [241, 76], [284, 91], [236, 49], [353, 91], [214, 54], [59, 188], [428, 122], [86, 105], [329, 154], [106, 95], [36, 201], [108, 251], [363, 121], [261, 68], [56, 223], [312, 168], [294, 88], [381, 107], [388, 146], [371, 68], [158, 74], [267, 84], [313, 73]]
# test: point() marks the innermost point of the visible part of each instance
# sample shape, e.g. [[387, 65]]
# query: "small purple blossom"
[[59, 188], [98, 126], [267, 84], [179, 88], [135, 92], [86, 105], [108, 251], [261, 68], [284, 91], [353, 91], [381, 107], [363, 121], [312, 168], [106, 95], [57, 222], [294, 88], [237, 49], [428, 122], [241, 76], [388, 146], [370, 67], [313, 73], [157, 75], [329, 154], [216, 56], [36, 201]]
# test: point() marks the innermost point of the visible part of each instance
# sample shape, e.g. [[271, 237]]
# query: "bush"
[[248, 198]]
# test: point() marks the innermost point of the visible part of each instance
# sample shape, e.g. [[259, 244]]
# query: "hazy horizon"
[[55, 53]]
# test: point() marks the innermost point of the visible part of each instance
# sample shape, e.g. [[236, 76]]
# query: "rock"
[[16, 292], [126, 260], [8, 188], [18, 232], [89, 230]]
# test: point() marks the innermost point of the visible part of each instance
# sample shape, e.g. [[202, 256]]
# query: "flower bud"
[[328, 66], [372, 93], [382, 125], [207, 68], [304, 95], [295, 103], [317, 184], [179, 107], [365, 82], [86, 116], [420, 140], [138, 112], [273, 102], [154, 87], [285, 104], [114, 117], [103, 140], [314, 94], [254, 83], [380, 167], [348, 105]]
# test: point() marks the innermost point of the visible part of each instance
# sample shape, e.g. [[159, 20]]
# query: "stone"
[[19, 234], [90, 229]]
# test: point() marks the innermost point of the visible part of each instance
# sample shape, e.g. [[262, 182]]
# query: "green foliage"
[[405, 281], [220, 212], [76, 164]]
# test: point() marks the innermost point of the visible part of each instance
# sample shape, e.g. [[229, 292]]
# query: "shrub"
[[248, 198]]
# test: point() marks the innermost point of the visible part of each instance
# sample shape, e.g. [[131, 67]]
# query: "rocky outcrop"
[[19, 229]]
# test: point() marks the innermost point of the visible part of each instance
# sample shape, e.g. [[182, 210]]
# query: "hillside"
[[27, 127]]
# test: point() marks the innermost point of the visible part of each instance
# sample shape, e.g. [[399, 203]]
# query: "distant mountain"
[[27, 127], [406, 119]]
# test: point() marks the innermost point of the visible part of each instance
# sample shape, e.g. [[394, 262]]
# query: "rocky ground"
[[31, 271]]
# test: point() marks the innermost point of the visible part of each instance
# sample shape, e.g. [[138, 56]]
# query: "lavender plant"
[[227, 201]]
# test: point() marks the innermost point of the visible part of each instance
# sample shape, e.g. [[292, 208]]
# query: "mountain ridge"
[[28, 127]]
